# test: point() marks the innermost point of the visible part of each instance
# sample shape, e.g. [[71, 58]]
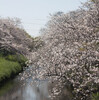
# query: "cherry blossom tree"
[[71, 49]]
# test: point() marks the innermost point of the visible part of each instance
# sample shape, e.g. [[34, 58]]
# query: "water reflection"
[[38, 90], [34, 88]]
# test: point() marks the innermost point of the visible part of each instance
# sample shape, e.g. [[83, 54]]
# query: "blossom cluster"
[[71, 49]]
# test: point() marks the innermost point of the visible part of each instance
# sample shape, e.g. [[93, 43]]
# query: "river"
[[31, 89]]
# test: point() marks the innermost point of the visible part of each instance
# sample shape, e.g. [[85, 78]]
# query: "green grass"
[[10, 64], [17, 58], [95, 96], [7, 68]]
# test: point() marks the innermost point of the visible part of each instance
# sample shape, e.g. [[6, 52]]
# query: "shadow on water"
[[14, 91]]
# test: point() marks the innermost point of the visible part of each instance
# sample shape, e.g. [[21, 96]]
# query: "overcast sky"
[[34, 13]]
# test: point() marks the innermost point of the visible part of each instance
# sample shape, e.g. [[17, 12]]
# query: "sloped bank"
[[10, 65]]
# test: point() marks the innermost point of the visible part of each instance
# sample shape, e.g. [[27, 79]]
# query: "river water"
[[31, 89], [13, 90]]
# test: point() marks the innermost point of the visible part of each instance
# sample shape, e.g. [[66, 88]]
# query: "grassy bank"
[[10, 65]]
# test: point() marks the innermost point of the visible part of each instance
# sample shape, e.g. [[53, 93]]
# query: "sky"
[[34, 14]]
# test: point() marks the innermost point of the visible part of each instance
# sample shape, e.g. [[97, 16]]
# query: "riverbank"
[[10, 65]]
